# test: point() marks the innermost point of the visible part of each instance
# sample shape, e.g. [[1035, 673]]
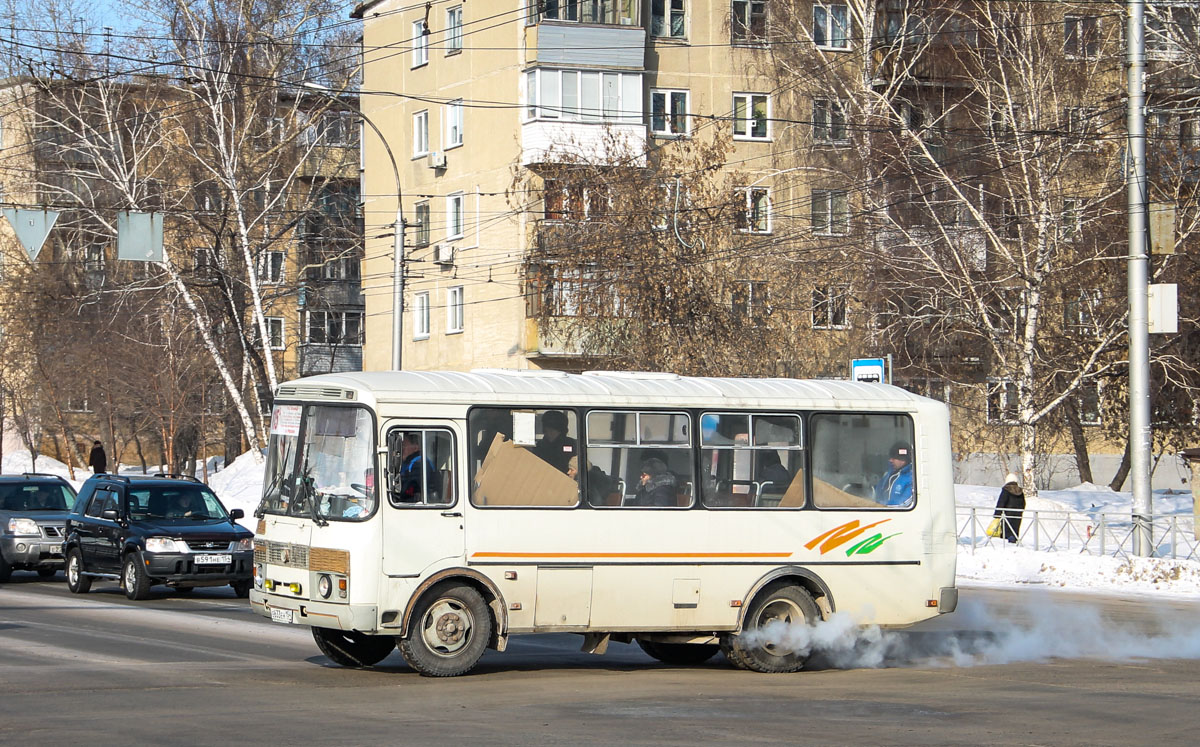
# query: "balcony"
[[554, 42]]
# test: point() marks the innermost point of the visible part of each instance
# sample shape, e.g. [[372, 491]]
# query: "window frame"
[[742, 25], [455, 309], [454, 30], [420, 133], [452, 116], [271, 337], [832, 224], [420, 44], [827, 28], [339, 315], [747, 121], [751, 447], [421, 318], [668, 114], [456, 212], [1076, 45], [386, 485], [744, 221], [824, 119], [664, 15], [834, 301], [1005, 411], [271, 267], [422, 233]]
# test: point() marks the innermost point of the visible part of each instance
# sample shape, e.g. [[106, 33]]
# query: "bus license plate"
[[213, 559], [281, 616]]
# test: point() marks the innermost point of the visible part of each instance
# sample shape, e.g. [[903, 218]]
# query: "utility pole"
[[1139, 331]]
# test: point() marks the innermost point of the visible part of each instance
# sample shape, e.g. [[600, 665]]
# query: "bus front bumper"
[[294, 611]]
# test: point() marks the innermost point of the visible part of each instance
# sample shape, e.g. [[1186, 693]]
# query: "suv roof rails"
[[112, 476], [40, 474], [177, 476]]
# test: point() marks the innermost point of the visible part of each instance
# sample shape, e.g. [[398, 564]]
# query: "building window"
[[751, 301], [831, 26], [753, 210], [1081, 311], [1002, 401], [1070, 221], [275, 332], [454, 30], [77, 403], [1080, 124], [830, 213], [829, 121], [1088, 404], [420, 134], [563, 201], [420, 43], [93, 258], [751, 115], [667, 18], [1081, 36], [454, 309], [748, 23], [421, 316], [335, 327], [422, 237], [669, 112], [1170, 31], [454, 216], [583, 96], [270, 267], [453, 114], [829, 307]]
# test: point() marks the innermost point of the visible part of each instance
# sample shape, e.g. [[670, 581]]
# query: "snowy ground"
[[997, 564]]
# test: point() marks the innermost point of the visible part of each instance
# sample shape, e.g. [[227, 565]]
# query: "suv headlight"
[[24, 526], [244, 544], [163, 544]]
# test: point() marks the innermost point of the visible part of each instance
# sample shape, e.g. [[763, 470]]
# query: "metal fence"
[[1086, 533]]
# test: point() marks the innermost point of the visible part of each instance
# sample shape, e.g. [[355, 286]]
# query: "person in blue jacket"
[[417, 472], [896, 487]]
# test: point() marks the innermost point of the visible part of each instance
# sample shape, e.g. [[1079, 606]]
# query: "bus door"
[[422, 511]]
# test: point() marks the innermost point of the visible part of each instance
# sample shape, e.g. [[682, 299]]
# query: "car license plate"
[[281, 616], [53, 549], [213, 559]]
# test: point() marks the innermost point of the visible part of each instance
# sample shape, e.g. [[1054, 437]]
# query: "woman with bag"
[[1010, 507]]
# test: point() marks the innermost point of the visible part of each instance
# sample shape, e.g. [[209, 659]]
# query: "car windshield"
[[35, 497], [319, 463], [179, 502]]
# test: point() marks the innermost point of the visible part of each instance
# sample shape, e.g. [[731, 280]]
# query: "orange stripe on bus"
[[631, 555]]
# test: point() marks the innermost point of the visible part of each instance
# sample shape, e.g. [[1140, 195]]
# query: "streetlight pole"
[[397, 232], [1138, 274]]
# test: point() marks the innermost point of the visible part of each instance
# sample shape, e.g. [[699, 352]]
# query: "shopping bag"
[[994, 529]]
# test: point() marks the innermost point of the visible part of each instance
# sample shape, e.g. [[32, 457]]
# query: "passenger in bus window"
[[416, 472], [895, 488], [555, 447], [657, 484], [598, 483], [486, 424], [771, 470]]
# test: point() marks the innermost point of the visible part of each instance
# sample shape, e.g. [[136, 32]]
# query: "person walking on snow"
[[97, 459], [1010, 507]]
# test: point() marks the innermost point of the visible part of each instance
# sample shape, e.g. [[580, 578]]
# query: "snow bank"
[[240, 486]]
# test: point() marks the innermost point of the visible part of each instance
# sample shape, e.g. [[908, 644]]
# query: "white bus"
[[442, 512]]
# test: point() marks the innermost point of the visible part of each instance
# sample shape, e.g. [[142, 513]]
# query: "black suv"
[[165, 529], [33, 508]]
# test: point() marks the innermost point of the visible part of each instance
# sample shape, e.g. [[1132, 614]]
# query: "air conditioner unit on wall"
[[436, 160], [443, 254]]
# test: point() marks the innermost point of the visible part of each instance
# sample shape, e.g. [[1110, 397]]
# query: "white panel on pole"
[[1163, 309], [140, 236], [32, 227]]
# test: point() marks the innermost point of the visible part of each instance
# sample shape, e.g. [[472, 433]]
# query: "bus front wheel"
[[448, 632], [352, 649], [764, 645]]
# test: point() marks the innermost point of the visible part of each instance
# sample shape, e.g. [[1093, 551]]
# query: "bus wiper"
[[276, 481], [310, 495]]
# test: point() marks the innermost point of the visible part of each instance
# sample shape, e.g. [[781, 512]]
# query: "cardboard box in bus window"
[[793, 497], [512, 476], [825, 495]]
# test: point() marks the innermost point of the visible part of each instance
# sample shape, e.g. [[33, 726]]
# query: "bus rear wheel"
[[352, 649], [683, 654], [760, 651], [449, 631]]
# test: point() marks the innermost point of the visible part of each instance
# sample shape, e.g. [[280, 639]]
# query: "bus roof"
[[603, 388]]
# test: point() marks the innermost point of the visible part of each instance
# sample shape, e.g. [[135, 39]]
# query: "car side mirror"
[[110, 513], [236, 514]]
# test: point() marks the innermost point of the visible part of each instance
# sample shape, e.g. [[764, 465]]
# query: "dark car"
[[33, 509], [165, 529]]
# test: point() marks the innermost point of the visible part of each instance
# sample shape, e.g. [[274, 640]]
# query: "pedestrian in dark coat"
[[1010, 507], [97, 459]]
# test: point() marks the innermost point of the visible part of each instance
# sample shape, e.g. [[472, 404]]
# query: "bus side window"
[[862, 461], [642, 459], [420, 467], [750, 460]]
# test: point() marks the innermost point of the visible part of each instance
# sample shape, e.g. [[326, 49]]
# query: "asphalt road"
[[201, 670]]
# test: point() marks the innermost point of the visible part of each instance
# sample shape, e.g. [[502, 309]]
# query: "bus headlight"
[[324, 586], [258, 575]]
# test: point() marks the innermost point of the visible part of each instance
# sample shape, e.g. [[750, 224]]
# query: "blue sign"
[[872, 370]]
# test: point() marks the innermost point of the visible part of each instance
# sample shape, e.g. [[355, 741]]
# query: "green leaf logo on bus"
[[840, 535]]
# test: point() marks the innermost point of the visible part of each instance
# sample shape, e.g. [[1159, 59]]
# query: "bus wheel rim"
[[448, 626], [785, 612]]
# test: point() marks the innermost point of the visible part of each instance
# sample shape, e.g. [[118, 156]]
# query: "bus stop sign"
[[871, 370]]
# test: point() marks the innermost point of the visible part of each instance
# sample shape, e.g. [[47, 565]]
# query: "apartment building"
[[919, 179]]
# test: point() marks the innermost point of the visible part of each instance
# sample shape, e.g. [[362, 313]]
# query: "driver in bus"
[[418, 477], [895, 488]]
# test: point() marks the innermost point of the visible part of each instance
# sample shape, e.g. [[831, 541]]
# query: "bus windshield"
[[319, 463]]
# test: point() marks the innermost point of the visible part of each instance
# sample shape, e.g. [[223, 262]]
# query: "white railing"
[[1086, 533]]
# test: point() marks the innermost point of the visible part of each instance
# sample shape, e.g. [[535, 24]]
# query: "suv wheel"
[[242, 588], [137, 583], [76, 581]]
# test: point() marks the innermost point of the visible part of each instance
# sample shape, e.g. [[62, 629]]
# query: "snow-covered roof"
[[597, 388]]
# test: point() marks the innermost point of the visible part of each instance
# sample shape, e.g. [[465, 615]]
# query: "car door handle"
[[452, 514]]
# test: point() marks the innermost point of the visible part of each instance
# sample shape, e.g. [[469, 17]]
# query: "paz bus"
[[443, 512]]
